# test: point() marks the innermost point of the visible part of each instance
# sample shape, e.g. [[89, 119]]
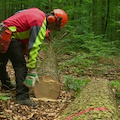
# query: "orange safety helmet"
[[59, 16]]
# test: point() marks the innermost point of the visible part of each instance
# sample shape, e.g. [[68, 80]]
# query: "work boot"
[[8, 86], [27, 102]]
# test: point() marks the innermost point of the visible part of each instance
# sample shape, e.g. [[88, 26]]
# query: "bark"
[[103, 16], [49, 85], [95, 102], [3, 9], [94, 15]]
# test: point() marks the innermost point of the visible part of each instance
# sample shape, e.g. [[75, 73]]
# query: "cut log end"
[[48, 87]]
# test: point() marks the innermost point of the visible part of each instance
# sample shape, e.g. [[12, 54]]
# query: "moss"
[[96, 94]]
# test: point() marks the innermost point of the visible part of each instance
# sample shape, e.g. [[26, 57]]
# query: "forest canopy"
[[93, 26]]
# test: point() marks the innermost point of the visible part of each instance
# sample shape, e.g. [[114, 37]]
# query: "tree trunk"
[[94, 15], [96, 101], [103, 16], [3, 9], [49, 86]]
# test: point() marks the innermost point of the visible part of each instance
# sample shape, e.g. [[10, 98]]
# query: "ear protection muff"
[[51, 19]]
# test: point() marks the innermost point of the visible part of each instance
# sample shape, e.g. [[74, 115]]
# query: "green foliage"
[[98, 45], [79, 60], [116, 86], [74, 84], [4, 97]]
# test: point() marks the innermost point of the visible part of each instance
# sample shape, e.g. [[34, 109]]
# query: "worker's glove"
[[31, 78]]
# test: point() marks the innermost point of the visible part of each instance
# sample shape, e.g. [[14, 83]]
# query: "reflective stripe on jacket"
[[29, 27]]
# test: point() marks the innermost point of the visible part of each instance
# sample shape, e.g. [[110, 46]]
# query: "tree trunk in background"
[[111, 24], [3, 9], [117, 19], [9, 9], [108, 20], [99, 15], [95, 101], [94, 15], [103, 16], [107, 15], [51, 5], [13, 7], [49, 86], [98, 11]]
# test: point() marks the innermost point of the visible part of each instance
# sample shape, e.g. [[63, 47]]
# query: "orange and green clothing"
[[29, 27]]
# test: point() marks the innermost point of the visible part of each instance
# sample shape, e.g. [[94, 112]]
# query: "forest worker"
[[27, 27]]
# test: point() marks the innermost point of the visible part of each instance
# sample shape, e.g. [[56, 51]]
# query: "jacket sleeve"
[[36, 38]]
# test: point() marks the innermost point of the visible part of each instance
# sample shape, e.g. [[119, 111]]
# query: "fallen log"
[[95, 102], [49, 85]]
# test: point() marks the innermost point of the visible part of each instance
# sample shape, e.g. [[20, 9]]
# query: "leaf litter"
[[47, 109]]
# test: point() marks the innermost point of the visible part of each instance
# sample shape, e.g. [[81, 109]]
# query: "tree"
[[3, 9], [95, 101]]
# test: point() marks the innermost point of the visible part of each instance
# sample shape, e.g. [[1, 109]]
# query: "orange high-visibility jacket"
[[29, 27]]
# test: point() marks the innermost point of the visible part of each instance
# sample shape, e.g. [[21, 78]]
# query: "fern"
[[71, 83]]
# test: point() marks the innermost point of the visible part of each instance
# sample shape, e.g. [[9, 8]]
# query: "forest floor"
[[49, 109]]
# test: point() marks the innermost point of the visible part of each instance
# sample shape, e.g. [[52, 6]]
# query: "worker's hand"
[[31, 78]]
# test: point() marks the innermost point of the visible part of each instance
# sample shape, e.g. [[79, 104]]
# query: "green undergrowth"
[[82, 64], [4, 96], [75, 84], [116, 86]]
